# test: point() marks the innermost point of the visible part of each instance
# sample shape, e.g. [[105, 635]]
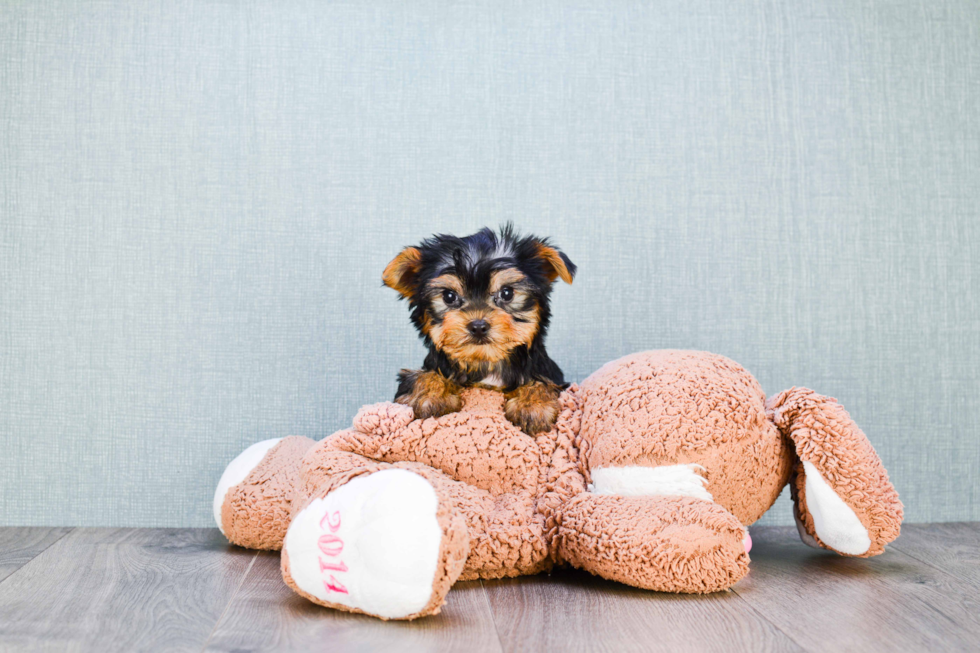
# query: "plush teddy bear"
[[656, 464]]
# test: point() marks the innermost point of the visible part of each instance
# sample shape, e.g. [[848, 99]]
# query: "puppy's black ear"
[[403, 270], [555, 263]]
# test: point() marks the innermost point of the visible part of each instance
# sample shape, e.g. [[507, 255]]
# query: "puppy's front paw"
[[533, 407], [430, 394], [436, 406]]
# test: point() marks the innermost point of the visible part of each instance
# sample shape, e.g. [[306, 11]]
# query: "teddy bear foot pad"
[[372, 545], [833, 520]]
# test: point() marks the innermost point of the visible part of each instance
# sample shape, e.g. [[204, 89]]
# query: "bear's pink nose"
[[747, 541]]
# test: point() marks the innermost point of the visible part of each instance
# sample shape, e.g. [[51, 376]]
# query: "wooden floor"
[[89, 589]]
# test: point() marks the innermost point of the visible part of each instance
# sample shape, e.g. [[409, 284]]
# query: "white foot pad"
[[236, 472], [836, 524], [372, 544]]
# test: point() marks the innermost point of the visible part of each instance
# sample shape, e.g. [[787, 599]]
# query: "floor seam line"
[[71, 529], [768, 620], [231, 600], [493, 617], [933, 566]]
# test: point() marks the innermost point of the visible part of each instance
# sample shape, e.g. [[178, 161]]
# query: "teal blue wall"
[[197, 200]]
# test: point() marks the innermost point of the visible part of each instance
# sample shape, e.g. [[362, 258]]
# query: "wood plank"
[[131, 590], [121, 590], [954, 548], [570, 610], [18, 546], [830, 603], [266, 615]]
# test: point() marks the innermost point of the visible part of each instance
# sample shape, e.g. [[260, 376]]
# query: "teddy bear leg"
[[843, 500], [252, 502], [376, 539], [504, 539], [664, 543]]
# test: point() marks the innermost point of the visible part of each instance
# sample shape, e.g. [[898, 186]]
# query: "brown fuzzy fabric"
[[663, 543], [826, 436], [504, 538], [674, 407], [513, 504], [256, 512]]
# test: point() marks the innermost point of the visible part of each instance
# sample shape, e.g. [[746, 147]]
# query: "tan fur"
[[400, 271], [556, 265], [452, 336], [447, 282], [427, 325], [506, 277], [513, 332], [522, 501], [432, 395], [533, 407], [518, 333]]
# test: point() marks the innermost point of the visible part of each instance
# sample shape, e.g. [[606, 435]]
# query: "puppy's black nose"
[[479, 328]]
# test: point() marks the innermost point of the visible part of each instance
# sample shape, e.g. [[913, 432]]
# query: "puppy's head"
[[479, 298]]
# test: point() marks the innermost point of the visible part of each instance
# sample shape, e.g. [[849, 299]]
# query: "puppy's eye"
[[450, 297], [506, 294]]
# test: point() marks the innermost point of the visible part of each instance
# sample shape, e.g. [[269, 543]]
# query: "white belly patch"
[[493, 380], [632, 481]]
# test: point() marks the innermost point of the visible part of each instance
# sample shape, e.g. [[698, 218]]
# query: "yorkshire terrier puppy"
[[480, 304]]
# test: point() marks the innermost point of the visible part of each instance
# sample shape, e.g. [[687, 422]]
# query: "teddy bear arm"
[[388, 432], [476, 445], [843, 500], [356, 442], [664, 543], [505, 538]]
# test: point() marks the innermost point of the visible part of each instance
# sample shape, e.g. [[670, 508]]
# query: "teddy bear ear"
[[383, 418], [403, 270], [555, 263]]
